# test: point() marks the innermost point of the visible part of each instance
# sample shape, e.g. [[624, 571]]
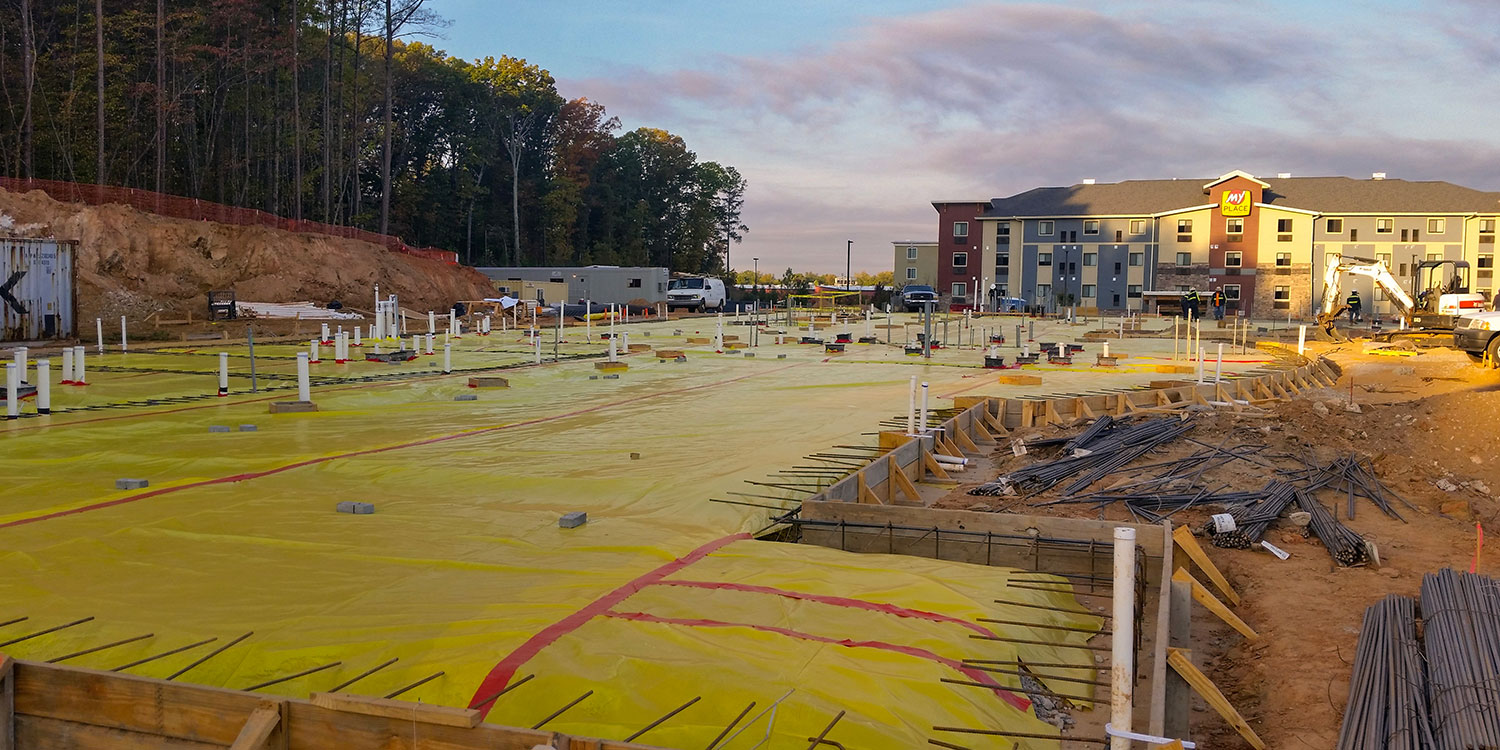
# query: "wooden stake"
[[1178, 658], [258, 728], [1206, 598]]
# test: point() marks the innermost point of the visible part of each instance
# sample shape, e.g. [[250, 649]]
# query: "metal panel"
[[36, 289]]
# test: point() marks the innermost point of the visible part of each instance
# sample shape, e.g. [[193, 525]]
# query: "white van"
[[697, 294]]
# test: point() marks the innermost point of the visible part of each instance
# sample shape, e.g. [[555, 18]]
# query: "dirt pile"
[[135, 263]]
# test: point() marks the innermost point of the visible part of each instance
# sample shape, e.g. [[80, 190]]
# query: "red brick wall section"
[[193, 209], [1248, 246], [947, 214]]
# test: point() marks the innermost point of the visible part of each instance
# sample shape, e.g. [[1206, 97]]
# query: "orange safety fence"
[[194, 209]]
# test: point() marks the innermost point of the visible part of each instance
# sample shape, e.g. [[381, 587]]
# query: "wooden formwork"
[[50, 707]]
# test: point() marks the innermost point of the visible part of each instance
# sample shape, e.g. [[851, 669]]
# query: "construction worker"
[[1218, 300], [1191, 299], [1354, 305]]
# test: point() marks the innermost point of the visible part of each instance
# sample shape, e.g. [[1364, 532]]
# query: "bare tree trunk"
[[515, 198], [385, 158], [354, 118], [327, 121], [296, 114], [161, 98], [28, 77], [99, 176]]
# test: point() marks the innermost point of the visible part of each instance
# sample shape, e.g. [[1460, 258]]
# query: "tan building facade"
[[916, 263], [1261, 241]]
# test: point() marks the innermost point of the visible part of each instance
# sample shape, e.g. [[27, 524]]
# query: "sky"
[[848, 119]]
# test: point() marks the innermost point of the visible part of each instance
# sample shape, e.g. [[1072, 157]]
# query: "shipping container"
[[36, 289]]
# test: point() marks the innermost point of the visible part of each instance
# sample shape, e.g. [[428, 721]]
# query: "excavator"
[[1443, 299]]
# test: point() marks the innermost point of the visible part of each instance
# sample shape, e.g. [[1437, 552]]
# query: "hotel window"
[[1002, 259], [1137, 259], [1437, 226], [1090, 259], [1486, 262], [1235, 228], [1088, 291], [1133, 291], [1486, 231], [1283, 293], [960, 260], [1184, 230], [1283, 230], [1091, 226], [1284, 260], [1137, 226], [1384, 258], [1232, 259], [911, 274], [1184, 259], [1044, 259], [1353, 234], [1412, 235], [1043, 291], [1232, 292], [960, 289], [1069, 236], [1335, 226], [1119, 236], [960, 229], [911, 253], [1384, 226], [1434, 256], [1045, 228], [1002, 234]]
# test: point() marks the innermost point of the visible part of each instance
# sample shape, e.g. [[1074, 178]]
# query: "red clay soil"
[[135, 263], [1430, 422]]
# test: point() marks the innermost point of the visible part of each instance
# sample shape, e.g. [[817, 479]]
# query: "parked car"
[[698, 294], [914, 296], [1478, 334]]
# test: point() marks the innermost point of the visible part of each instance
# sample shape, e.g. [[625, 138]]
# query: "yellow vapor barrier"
[[463, 570]]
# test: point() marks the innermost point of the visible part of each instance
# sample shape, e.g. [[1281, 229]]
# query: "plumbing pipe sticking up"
[[1174, 338], [719, 333], [536, 342], [1301, 340], [624, 341], [340, 347], [124, 345], [357, 341], [12, 392], [612, 349], [223, 374], [21, 357], [304, 386], [455, 329], [1062, 350], [1122, 638], [447, 359], [1219, 365], [911, 408], [430, 341], [99, 334], [313, 347], [431, 321], [923, 425], [43, 386], [67, 372], [79, 376], [325, 339], [1106, 348], [588, 320]]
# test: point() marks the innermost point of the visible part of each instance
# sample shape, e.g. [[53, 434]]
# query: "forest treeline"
[[338, 111]]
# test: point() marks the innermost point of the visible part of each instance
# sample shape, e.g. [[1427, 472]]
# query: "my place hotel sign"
[[1236, 202]]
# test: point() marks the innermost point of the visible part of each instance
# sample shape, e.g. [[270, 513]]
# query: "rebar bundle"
[[1107, 449], [1252, 520], [1356, 476], [1387, 708], [1346, 547], [1461, 633]]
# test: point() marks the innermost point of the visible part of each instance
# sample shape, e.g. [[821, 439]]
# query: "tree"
[[402, 18], [28, 77], [99, 175], [524, 101]]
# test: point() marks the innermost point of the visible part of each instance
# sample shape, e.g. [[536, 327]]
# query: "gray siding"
[[604, 284]]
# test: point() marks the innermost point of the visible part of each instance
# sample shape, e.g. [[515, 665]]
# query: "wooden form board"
[[961, 535], [1017, 413], [83, 709], [1205, 687]]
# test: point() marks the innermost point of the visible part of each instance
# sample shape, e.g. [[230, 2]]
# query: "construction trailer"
[[36, 289], [637, 285]]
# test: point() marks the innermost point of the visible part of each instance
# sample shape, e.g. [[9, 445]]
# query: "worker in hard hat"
[[1354, 305]]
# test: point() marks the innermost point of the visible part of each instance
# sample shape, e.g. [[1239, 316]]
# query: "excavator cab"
[[1442, 289]]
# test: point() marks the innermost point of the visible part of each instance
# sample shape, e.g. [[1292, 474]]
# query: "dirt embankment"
[[135, 263]]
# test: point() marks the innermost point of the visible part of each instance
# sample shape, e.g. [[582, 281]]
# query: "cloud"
[[855, 138]]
